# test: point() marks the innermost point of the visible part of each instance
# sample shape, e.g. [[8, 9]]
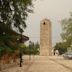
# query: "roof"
[[5, 30]]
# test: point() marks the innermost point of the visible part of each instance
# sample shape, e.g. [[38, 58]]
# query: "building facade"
[[45, 37]]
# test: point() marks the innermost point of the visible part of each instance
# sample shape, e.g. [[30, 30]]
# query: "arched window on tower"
[[44, 23]]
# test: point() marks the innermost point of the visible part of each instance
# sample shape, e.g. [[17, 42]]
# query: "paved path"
[[42, 64]]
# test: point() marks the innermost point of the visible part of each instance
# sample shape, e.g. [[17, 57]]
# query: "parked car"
[[67, 55]]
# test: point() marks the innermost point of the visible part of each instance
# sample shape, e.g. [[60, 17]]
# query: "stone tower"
[[45, 37]]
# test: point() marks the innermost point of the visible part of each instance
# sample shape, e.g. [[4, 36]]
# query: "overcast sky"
[[55, 11]]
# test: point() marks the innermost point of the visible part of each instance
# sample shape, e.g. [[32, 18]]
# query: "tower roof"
[[45, 21]]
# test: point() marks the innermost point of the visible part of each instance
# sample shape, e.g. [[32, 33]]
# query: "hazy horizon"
[[55, 11]]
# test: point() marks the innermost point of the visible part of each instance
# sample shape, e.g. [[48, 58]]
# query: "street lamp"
[[20, 54], [22, 39]]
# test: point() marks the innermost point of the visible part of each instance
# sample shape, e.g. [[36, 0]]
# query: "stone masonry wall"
[[45, 37]]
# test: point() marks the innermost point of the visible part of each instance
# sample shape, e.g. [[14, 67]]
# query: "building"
[[9, 41], [45, 37]]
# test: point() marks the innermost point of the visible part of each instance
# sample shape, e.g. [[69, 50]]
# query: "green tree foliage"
[[67, 29], [61, 47], [30, 50], [36, 48], [8, 44], [13, 13]]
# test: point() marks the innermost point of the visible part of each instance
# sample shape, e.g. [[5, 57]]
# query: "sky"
[[55, 11]]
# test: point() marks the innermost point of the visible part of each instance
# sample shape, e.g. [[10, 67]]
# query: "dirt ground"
[[43, 64]]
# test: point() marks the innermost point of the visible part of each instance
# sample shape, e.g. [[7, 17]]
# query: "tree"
[[13, 13], [61, 47], [36, 48], [32, 49], [67, 29]]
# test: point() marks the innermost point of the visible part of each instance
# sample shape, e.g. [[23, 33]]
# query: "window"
[[44, 23]]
